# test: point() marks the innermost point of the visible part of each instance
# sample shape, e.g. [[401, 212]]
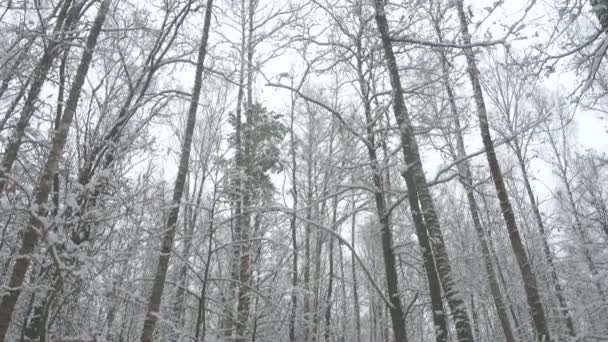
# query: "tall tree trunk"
[[578, 226], [530, 284], [29, 240], [466, 180], [293, 227], [201, 317], [356, 305], [153, 309], [559, 292], [229, 319], [244, 301], [65, 21], [419, 196], [397, 313], [330, 281], [307, 232]]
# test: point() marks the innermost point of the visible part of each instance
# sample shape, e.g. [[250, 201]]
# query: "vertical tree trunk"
[[530, 284], [330, 284], [356, 305], [307, 249], [245, 246], [29, 240], [228, 323], [418, 192], [294, 233], [153, 310]]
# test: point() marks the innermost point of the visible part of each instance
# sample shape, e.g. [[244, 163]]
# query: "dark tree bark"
[[530, 284], [600, 7], [153, 310], [30, 237], [66, 19], [464, 169], [419, 197]]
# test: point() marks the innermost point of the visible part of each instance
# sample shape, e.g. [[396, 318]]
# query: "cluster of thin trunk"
[[294, 226]]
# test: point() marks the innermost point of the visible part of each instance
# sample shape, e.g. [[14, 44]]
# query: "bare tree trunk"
[[153, 310], [578, 226], [530, 284], [330, 284], [418, 192], [243, 299], [559, 292], [294, 233], [356, 305], [30, 237], [228, 323], [66, 19], [466, 180], [307, 249], [201, 317], [464, 170]]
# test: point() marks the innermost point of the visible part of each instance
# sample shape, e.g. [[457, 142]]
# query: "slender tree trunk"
[[66, 20], [559, 292], [228, 323], [294, 233], [330, 281], [245, 272], [530, 284], [418, 193], [153, 310], [30, 237], [466, 180], [397, 313], [307, 233], [201, 317], [356, 305]]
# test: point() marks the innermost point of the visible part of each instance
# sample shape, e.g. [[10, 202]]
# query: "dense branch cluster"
[[336, 170]]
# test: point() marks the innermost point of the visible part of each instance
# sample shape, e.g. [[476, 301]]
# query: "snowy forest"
[[303, 170]]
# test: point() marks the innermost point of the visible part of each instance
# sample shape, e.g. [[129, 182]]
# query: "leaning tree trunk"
[[464, 169], [384, 218], [419, 196], [530, 284], [152, 312], [65, 21], [29, 240], [559, 292]]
